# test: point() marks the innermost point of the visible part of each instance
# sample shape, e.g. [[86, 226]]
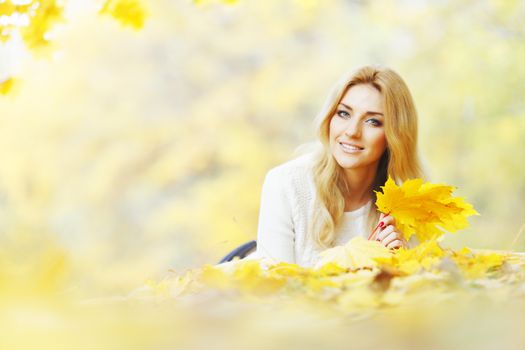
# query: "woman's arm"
[[275, 234]]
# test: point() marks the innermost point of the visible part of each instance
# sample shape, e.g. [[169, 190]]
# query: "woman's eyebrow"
[[367, 112]]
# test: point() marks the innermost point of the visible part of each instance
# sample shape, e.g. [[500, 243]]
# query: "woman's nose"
[[353, 130]]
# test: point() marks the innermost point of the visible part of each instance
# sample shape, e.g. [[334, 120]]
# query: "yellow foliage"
[[45, 16], [128, 12], [41, 18], [286, 269], [478, 265], [330, 269], [246, 276], [6, 86], [410, 261], [356, 253], [363, 277], [423, 209], [215, 277], [7, 10], [251, 279], [377, 278]]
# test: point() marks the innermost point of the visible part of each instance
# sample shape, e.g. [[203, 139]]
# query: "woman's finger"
[[384, 232], [379, 226], [387, 220], [392, 236], [395, 244]]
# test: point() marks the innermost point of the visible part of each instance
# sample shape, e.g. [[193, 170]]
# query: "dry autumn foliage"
[[409, 291], [363, 272]]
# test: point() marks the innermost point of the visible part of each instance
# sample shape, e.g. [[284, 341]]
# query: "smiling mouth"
[[350, 149]]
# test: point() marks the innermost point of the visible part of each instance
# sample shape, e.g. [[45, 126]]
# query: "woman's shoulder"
[[298, 166], [294, 176]]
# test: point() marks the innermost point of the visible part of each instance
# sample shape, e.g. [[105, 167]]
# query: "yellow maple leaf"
[[423, 209], [409, 261], [252, 279], [247, 276], [330, 269], [215, 277], [287, 269], [476, 265], [357, 253], [128, 12]]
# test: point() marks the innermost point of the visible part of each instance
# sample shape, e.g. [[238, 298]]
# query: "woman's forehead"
[[363, 96]]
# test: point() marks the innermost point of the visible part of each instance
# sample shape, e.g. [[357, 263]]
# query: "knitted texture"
[[287, 204]]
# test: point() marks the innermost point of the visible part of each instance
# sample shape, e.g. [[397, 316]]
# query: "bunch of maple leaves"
[[363, 275]]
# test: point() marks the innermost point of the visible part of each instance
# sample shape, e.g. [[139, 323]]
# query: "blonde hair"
[[400, 160]]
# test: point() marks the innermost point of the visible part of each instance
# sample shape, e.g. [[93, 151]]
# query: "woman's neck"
[[360, 182], [352, 203]]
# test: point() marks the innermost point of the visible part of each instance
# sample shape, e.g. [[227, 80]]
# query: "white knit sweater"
[[286, 208], [287, 199]]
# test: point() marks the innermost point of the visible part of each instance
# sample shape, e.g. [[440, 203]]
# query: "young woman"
[[367, 130]]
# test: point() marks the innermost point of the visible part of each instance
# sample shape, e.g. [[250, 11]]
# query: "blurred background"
[[130, 149]]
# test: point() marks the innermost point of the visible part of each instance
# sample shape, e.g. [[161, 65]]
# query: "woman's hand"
[[387, 233]]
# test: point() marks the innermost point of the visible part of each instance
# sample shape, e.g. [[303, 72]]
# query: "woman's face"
[[357, 134]]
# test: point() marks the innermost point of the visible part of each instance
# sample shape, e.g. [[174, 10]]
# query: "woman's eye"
[[375, 122], [343, 114]]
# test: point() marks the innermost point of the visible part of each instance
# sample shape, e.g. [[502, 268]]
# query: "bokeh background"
[[129, 153]]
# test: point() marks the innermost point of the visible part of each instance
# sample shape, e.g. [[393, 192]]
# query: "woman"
[[367, 130]]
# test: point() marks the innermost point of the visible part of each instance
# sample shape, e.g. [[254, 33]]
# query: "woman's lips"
[[348, 148]]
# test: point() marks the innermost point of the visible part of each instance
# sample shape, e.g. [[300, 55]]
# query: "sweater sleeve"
[[275, 234]]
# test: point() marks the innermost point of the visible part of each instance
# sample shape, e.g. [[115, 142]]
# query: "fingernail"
[[381, 224]]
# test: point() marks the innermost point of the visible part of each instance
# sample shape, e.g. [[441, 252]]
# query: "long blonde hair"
[[400, 160]]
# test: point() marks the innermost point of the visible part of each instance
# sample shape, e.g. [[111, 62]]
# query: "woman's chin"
[[346, 164]]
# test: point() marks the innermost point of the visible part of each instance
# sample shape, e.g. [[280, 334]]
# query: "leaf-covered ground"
[[426, 297], [423, 298]]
